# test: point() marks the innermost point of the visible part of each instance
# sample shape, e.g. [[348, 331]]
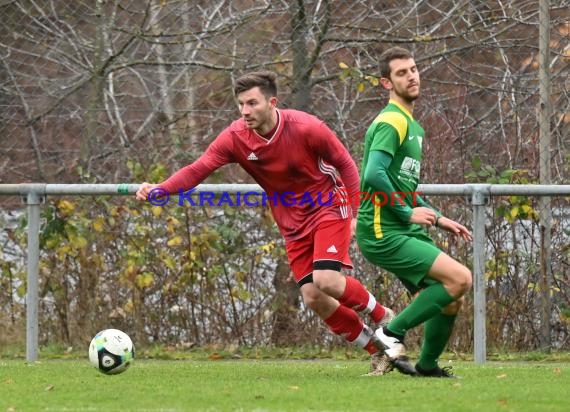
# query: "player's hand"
[[144, 189], [455, 228], [423, 216]]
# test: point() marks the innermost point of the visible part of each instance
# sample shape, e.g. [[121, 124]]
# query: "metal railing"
[[34, 195]]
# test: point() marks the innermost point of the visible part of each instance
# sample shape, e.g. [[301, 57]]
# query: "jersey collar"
[[402, 108]]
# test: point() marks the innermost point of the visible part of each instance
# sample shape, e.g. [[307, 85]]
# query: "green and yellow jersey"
[[395, 132]]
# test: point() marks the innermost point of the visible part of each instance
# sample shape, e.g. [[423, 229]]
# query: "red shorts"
[[328, 242]]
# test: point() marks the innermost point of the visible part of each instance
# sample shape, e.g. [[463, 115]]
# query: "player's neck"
[[409, 106]]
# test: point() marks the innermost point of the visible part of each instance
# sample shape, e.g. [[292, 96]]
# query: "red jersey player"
[[298, 161]]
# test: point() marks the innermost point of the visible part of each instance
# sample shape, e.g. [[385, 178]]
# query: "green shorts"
[[408, 256]]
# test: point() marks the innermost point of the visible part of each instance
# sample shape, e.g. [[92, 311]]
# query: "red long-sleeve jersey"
[[301, 167]]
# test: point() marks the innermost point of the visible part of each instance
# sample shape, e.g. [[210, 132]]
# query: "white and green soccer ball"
[[111, 351]]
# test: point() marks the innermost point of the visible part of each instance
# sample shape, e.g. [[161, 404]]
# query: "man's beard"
[[407, 97]]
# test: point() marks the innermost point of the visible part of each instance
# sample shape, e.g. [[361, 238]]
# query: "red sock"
[[357, 297], [346, 323], [371, 348]]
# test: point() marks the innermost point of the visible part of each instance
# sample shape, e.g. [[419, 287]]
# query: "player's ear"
[[386, 83], [273, 101]]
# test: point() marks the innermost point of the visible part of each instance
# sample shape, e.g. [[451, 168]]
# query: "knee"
[[461, 282], [312, 297], [330, 282], [320, 303]]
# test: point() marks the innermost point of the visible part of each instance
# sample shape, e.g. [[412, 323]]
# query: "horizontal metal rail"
[[130, 189]]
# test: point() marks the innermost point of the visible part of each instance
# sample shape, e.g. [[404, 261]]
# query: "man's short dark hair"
[[265, 80], [390, 54]]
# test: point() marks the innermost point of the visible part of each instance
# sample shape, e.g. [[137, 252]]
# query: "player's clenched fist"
[[144, 190]]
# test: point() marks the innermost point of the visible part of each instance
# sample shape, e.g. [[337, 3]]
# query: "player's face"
[[257, 110], [405, 79]]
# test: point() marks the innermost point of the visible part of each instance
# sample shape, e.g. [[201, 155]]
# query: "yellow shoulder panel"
[[397, 120]]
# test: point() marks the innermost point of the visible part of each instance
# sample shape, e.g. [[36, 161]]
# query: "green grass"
[[273, 385]]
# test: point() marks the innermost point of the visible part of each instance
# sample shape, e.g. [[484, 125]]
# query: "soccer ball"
[[111, 351]]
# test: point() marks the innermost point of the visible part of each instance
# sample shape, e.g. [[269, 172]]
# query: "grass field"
[[273, 385]]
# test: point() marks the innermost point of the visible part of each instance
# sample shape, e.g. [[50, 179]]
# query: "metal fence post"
[[479, 198], [33, 199]]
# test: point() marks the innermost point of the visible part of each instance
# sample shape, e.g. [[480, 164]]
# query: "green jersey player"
[[392, 219]]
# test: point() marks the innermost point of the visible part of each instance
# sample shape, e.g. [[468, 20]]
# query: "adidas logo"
[[252, 156], [332, 249]]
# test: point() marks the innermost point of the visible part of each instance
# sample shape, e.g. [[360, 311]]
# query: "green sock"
[[426, 305], [437, 332]]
